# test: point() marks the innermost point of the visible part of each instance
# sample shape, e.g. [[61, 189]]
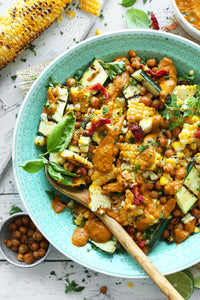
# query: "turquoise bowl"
[[58, 228]]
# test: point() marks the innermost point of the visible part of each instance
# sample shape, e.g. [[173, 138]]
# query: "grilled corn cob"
[[91, 6], [76, 159], [23, 22], [138, 111]]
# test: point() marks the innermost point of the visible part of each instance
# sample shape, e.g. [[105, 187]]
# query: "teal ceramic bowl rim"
[[108, 271]]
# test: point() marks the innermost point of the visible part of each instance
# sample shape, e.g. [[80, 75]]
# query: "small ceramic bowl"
[[8, 253], [191, 30]]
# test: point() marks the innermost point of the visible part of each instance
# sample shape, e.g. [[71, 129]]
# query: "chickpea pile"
[[26, 240]]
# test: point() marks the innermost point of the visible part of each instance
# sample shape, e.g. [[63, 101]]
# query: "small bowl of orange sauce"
[[188, 15]]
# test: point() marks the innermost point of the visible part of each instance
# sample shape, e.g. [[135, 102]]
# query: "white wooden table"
[[38, 283]]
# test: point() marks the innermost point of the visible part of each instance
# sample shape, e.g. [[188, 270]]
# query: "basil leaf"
[[60, 169], [114, 68], [136, 18], [33, 166], [127, 3], [66, 180], [61, 134]]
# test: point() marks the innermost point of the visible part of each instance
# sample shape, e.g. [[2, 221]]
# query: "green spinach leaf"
[[61, 135], [66, 180], [127, 3], [33, 166], [136, 18]]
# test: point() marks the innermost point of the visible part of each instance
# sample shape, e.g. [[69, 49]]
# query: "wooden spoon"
[[125, 240]]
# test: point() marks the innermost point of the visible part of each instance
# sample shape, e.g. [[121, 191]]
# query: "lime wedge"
[[183, 283], [195, 271]]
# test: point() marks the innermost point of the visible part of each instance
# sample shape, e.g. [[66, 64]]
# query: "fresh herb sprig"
[[114, 68]]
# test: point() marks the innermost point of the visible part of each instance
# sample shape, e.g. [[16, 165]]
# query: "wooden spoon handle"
[[127, 242]]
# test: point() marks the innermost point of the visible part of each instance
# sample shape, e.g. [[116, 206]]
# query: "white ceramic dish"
[[191, 30]]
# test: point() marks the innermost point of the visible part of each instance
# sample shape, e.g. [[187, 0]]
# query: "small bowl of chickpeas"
[[21, 243]]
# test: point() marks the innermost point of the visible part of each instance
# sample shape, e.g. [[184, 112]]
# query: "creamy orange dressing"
[[167, 85], [183, 234], [57, 205], [191, 11], [94, 229], [52, 103]]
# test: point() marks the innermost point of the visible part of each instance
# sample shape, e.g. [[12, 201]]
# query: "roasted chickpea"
[[35, 246], [169, 188], [156, 104], [78, 115], [158, 186], [132, 53], [14, 248], [24, 238], [163, 140], [75, 139], [70, 82], [20, 257], [36, 254], [30, 233], [150, 95], [32, 226], [151, 62], [78, 125], [155, 69], [71, 167], [13, 226], [44, 244], [174, 220], [95, 102], [16, 234], [23, 248], [168, 134], [143, 91], [150, 185], [179, 225], [176, 131], [195, 212], [81, 171], [163, 200], [140, 179], [5, 241], [180, 173], [9, 243], [41, 252], [15, 242], [103, 289], [28, 258], [30, 241], [169, 153], [177, 212], [170, 226], [25, 220], [136, 64], [37, 236], [169, 169], [18, 222], [23, 229], [154, 194], [146, 100], [166, 234], [165, 124]]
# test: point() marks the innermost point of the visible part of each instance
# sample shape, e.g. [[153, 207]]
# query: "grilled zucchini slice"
[[147, 82], [94, 74], [187, 194]]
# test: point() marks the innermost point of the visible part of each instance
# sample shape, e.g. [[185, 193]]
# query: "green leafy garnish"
[[105, 109], [73, 287], [52, 82], [188, 78], [35, 165], [114, 68], [127, 3], [136, 18], [14, 210], [78, 74], [143, 147], [58, 176], [61, 134]]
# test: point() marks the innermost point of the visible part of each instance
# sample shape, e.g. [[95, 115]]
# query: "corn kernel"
[[99, 31], [71, 14], [91, 6], [197, 158], [193, 146], [163, 180], [196, 230], [39, 140], [177, 146], [180, 154], [191, 73], [59, 19]]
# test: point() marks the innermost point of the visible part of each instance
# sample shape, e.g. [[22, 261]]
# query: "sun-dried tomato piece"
[[155, 74], [154, 22], [197, 134], [142, 244], [98, 124], [138, 198], [137, 132], [130, 230], [99, 88]]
